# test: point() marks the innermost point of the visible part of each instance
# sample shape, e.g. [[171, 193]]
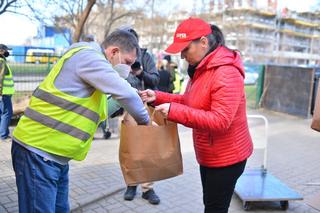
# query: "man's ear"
[[204, 42], [110, 52], [114, 50]]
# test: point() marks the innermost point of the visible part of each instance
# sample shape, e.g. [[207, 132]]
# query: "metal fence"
[[254, 88], [27, 76]]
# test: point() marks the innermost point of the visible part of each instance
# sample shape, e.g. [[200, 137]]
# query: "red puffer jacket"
[[214, 106]]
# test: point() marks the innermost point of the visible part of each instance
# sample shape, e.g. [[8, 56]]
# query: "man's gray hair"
[[122, 39]]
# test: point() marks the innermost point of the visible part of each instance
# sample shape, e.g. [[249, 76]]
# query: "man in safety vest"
[[63, 116], [178, 79], [6, 92]]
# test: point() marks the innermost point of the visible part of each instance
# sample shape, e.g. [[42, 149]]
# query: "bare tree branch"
[[110, 20], [124, 15], [114, 19], [5, 4], [36, 14], [61, 30], [22, 14], [68, 9], [72, 14]]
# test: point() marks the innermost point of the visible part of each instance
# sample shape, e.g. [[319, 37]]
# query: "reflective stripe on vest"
[[8, 83], [59, 123], [55, 124], [67, 105]]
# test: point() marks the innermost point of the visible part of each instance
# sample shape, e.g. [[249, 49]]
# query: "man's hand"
[[147, 95], [164, 109]]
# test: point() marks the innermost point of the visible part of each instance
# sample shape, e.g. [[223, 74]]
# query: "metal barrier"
[[27, 76], [254, 87]]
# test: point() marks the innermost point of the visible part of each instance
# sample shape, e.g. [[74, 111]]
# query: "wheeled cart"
[[257, 185]]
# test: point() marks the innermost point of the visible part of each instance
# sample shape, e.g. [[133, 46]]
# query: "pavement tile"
[[293, 157]]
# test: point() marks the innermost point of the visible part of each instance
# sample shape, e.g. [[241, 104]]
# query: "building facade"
[[261, 32]]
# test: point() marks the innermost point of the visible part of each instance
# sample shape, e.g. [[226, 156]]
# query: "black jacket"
[[149, 78], [165, 81]]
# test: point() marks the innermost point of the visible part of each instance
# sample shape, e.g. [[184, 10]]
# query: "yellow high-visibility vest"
[[59, 123], [177, 83], [8, 83]]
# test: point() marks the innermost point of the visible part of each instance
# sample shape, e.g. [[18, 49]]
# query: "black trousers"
[[218, 185]]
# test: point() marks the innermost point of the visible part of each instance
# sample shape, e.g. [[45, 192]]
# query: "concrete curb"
[[79, 204]]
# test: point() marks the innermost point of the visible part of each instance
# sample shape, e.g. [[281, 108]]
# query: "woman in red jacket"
[[213, 105]]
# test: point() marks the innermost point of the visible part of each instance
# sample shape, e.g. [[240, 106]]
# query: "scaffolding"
[[265, 36], [255, 28]]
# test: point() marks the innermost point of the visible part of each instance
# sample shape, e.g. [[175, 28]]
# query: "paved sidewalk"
[[293, 158], [92, 178]]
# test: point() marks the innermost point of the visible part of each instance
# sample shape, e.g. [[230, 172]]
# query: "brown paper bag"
[[316, 113], [149, 153]]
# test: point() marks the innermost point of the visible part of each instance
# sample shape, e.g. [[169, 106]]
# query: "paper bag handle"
[[152, 115]]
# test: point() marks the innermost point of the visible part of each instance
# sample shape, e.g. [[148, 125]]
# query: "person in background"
[[63, 115], [169, 68], [6, 92], [213, 105], [88, 38], [148, 76], [144, 75], [165, 78], [178, 79]]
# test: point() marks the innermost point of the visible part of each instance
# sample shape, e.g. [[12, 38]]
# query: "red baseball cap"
[[187, 31]]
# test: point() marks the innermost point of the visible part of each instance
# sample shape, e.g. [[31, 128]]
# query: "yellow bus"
[[41, 56]]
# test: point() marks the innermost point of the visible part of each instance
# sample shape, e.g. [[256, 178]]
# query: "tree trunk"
[[83, 18]]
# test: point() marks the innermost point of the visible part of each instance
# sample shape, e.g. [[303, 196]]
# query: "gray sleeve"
[[151, 75], [98, 72]]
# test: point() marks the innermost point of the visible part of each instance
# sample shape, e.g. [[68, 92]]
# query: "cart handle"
[[266, 124]]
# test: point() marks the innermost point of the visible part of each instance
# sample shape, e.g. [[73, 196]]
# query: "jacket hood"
[[222, 56]]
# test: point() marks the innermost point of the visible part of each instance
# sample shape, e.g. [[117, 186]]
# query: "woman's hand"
[[164, 109], [147, 95]]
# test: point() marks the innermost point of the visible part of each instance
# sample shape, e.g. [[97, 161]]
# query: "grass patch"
[[30, 68], [251, 91]]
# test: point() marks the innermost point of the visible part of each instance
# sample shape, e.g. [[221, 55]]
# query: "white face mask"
[[122, 69]]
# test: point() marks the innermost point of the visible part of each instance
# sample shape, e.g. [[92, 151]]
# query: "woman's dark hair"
[[216, 38]]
